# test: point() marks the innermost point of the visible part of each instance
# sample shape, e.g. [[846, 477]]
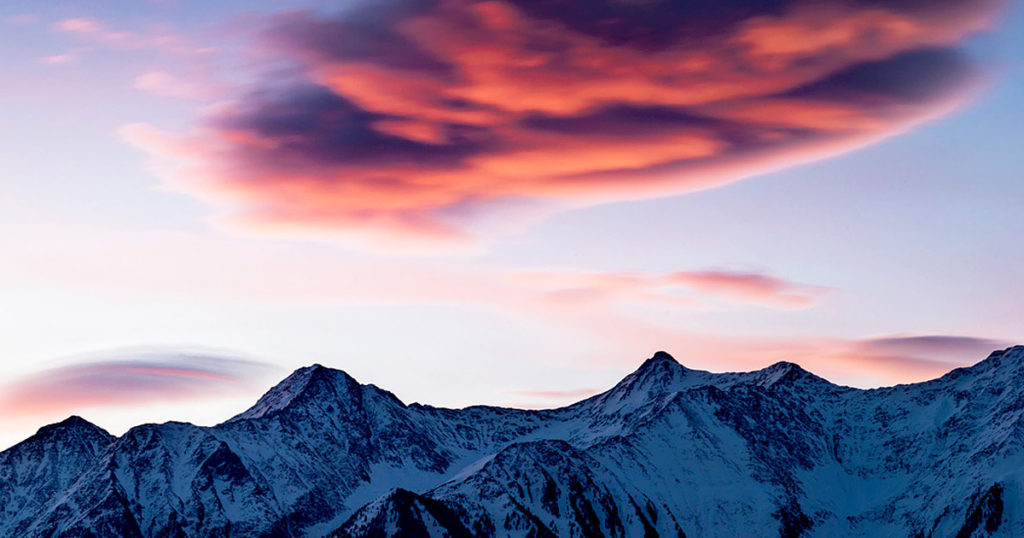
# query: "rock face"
[[668, 451]]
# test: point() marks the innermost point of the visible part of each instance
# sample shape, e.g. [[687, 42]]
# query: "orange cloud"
[[404, 116]]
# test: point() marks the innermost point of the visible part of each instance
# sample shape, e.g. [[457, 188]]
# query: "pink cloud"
[[100, 33], [752, 287], [567, 394], [80, 25], [57, 59], [690, 289], [129, 378], [191, 264], [193, 87], [403, 115]]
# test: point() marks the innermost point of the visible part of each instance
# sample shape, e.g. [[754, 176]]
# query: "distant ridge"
[[667, 451]]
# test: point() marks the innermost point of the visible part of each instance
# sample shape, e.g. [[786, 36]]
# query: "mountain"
[[668, 451]]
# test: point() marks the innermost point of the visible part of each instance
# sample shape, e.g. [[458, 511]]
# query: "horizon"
[[497, 202], [582, 397]]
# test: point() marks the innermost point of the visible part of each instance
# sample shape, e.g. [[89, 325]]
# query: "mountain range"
[[668, 451]]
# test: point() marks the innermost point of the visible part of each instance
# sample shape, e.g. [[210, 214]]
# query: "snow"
[[668, 448]]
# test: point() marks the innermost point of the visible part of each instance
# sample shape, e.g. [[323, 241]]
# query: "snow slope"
[[668, 451]]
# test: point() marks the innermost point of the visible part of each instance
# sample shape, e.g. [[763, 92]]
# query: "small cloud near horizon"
[[131, 377], [560, 394], [933, 345]]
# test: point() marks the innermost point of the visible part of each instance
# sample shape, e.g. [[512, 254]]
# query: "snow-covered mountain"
[[668, 451]]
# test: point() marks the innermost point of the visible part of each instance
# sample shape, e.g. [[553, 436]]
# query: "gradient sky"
[[500, 202]]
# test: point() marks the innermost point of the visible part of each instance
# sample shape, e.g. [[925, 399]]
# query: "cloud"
[[57, 59], [157, 262], [100, 33], [563, 394], [95, 30], [547, 399], [194, 87], [129, 377], [843, 361], [875, 361], [401, 115], [752, 287], [80, 25], [691, 289], [936, 348]]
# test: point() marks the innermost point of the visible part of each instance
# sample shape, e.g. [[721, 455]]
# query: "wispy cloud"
[[566, 394], [100, 33], [129, 377], [195, 86], [57, 59], [754, 288], [402, 115], [935, 348], [192, 264], [693, 289]]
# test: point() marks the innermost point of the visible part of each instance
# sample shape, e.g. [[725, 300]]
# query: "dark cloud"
[[651, 24], [628, 120], [363, 34], [914, 76], [404, 113], [309, 126]]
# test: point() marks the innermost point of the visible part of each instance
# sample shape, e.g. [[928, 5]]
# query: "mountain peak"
[[660, 360], [660, 374], [663, 356], [785, 373], [315, 381], [73, 423], [783, 368], [780, 371], [71, 434], [661, 366]]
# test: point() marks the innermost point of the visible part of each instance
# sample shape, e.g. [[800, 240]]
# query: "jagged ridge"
[[668, 451]]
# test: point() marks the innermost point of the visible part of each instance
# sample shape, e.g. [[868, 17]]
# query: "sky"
[[497, 202]]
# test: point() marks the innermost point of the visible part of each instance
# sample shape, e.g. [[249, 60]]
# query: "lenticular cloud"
[[401, 118]]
